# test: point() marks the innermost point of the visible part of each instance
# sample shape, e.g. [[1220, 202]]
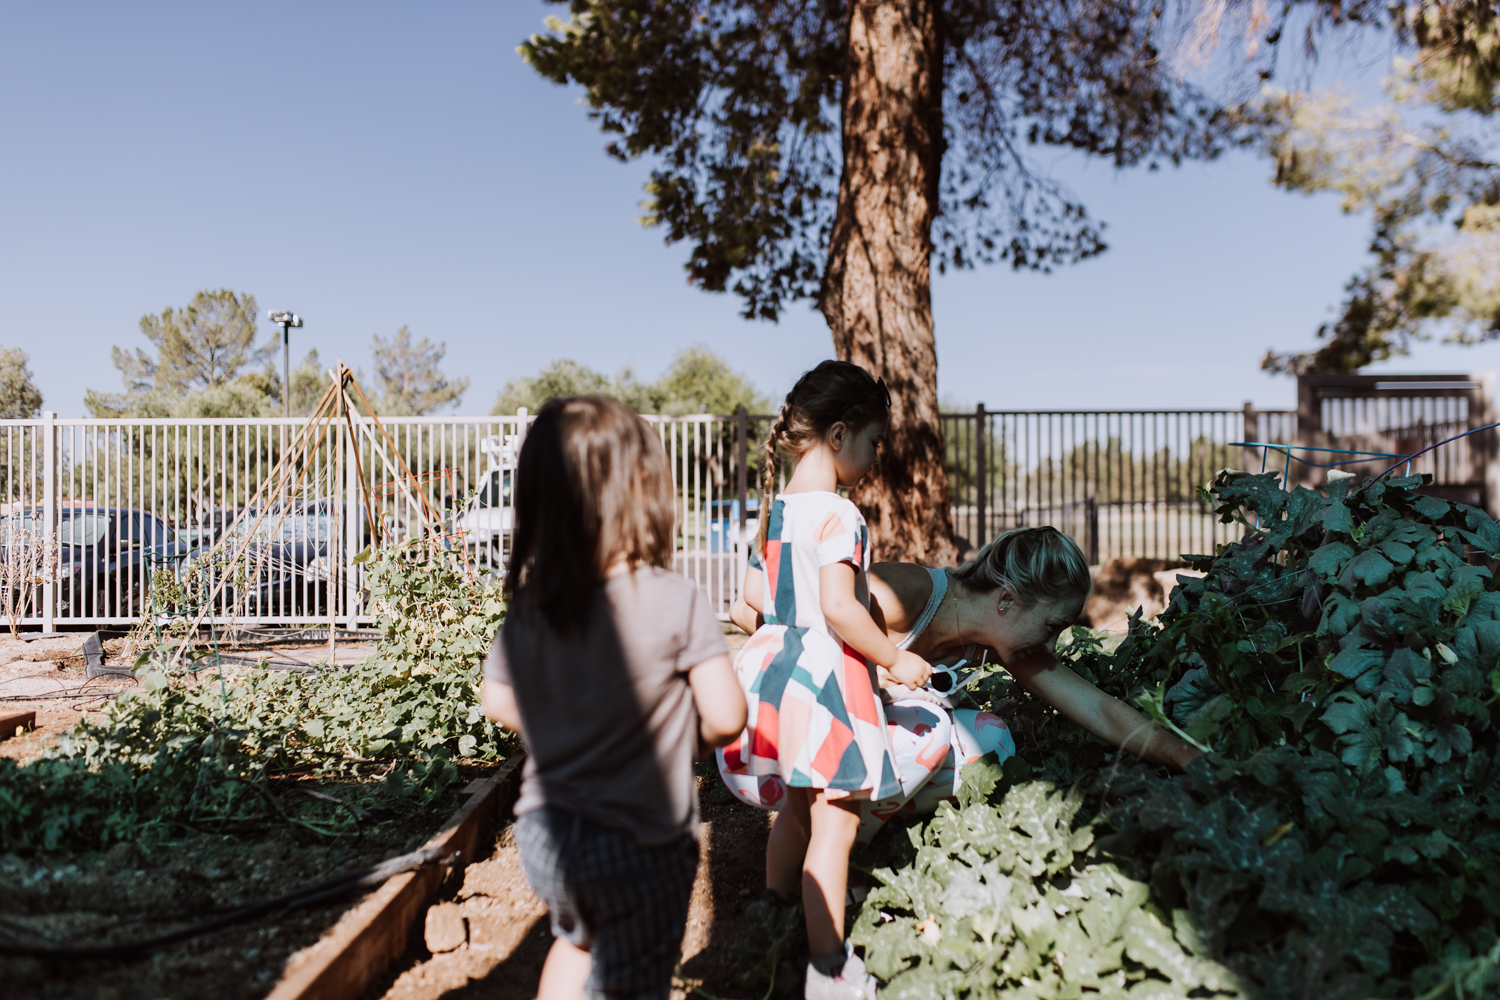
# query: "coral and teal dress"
[[816, 719]]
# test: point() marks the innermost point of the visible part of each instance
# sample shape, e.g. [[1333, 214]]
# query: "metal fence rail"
[[94, 507], [1121, 483]]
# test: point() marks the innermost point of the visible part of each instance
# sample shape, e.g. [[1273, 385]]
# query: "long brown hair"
[[592, 485], [834, 391]]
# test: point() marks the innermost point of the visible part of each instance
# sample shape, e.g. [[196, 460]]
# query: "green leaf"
[[1338, 518], [1329, 559], [1431, 508], [978, 780], [1369, 568], [1340, 612], [1354, 662]]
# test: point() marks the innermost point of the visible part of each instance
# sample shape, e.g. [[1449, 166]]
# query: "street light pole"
[[287, 321]]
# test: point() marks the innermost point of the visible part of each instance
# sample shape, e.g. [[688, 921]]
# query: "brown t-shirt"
[[607, 715]]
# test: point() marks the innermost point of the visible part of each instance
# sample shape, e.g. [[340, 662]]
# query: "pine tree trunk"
[[877, 289]]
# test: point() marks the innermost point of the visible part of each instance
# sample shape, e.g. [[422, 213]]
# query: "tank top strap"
[[939, 589]]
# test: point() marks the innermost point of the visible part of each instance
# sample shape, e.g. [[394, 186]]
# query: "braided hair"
[[834, 391]]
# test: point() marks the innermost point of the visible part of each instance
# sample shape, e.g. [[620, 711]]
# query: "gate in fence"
[[100, 515]]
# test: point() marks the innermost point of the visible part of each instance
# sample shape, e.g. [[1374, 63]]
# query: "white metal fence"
[[96, 511]]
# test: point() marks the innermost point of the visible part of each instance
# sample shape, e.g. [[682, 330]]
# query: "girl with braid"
[[812, 672]]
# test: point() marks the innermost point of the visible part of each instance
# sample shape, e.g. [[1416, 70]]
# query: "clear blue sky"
[[371, 165]]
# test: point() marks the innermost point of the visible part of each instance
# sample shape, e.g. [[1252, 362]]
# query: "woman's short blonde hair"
[[1037, 564]]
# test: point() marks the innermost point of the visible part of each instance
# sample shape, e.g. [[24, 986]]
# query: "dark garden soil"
[[126, 893]]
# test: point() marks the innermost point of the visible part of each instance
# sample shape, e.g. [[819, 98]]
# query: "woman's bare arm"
[[1106, 716], [748, 608]]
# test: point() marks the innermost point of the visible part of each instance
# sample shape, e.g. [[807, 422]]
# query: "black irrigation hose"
[[371, 875], [102, 693]]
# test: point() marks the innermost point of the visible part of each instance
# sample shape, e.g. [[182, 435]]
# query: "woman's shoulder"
[[909, 585]]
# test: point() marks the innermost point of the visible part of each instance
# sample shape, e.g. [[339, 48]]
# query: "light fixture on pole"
[[287, 321]]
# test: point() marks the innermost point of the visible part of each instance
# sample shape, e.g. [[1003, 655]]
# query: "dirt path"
[[508, 935]]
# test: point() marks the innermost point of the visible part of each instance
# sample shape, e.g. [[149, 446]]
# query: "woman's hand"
[[910, 669]]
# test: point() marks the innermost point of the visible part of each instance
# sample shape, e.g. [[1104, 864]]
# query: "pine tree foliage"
[[1425, 165], [737, 104], [205, 364], [410, 374], [20, 399], [697, 381]]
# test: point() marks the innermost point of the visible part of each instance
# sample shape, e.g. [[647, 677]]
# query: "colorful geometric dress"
[[930, 744], [815, 719]]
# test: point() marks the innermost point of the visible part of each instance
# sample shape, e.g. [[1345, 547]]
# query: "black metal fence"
[[1122, 483]]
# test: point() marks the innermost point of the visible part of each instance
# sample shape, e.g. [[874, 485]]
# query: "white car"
[[488, 517]]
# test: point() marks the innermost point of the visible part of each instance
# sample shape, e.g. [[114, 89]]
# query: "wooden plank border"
[[368, 938], [21, 720]]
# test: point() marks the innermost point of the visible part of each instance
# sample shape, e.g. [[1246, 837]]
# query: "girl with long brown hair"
[[611, 668]]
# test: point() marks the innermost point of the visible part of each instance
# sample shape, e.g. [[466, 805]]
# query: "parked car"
[[292, 553], [105, 557], [486, 519]]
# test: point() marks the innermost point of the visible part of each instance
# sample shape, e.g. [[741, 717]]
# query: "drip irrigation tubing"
[[360, 878], [63, 695]]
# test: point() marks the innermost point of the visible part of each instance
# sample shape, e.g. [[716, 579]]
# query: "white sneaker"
[[852, 982]]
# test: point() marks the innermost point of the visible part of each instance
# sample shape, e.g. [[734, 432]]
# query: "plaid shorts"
[[627, 904]]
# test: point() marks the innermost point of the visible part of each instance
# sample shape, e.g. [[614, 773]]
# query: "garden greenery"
[[328, 752], [1341, 839]]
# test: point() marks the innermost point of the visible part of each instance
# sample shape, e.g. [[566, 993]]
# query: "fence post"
[[353, 511], [1091, 508], [981, 476], [742, 488], [1251, 432], [49, 522]]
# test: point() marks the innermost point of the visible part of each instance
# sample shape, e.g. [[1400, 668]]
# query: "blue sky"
[[378, 164]]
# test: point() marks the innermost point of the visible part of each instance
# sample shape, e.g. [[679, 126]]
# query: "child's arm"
[[750, 605], [500, 704], [721, 703], [853, 622]]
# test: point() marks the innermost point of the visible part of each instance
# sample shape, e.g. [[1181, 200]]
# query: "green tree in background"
[[697, 381], [412, 383], [1425, 163], [20, 399], [834, 151], [205, 349], [309, 381], [563, 377]]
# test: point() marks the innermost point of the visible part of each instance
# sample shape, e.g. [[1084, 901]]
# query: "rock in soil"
[[445, 929]]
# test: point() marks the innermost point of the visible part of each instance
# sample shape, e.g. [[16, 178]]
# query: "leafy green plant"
[[1340, 839], [999, 901], [327, 752]]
